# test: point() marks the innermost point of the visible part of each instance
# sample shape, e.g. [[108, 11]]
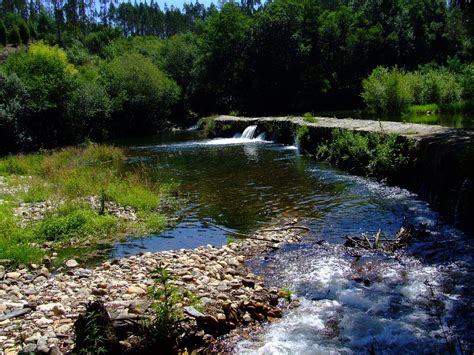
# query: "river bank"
[[38, 308]]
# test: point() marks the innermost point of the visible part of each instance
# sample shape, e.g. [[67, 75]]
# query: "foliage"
[[302, 134], [373, 153], [13, 36], [308, 117], [50, 80], [75, 221], [24, 32], [392, 91], [208, 125], [165, 298], [142, 95], [282, 57], [3, 34], [14, 109]]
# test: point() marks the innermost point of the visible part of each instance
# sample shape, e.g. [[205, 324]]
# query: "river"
[[418, 300]]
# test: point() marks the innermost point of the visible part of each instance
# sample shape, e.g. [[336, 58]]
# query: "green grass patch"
[[423, 109], [21, 164], [76, 221], [308, 117], [71, 175]]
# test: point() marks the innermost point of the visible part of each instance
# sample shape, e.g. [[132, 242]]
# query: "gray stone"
[[71, 263]]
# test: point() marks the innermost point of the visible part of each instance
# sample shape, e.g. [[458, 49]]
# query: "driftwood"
[[378, 242]]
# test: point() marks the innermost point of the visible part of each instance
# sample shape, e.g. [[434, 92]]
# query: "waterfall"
[[249, 132]]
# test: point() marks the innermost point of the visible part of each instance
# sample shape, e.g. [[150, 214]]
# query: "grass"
[[454, 107], [423, 109], [70, 176], [308, 117]]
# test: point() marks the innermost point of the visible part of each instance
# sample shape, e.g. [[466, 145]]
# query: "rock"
[[136, 290], [55, 351], [42, 346], [99, 292], [71, 263], [193, 312], [29, 348], [15, 313], [56, 308], [13, 275], [246, 317]]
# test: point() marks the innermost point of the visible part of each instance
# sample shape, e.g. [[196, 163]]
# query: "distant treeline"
[[122, 69]]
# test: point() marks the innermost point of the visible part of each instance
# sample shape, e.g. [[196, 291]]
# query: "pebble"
[[72, 263], [217, 275]]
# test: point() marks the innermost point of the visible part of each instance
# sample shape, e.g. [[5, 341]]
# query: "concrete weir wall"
[[443, 172]]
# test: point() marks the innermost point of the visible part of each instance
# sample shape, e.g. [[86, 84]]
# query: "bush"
[[14, 110], [393, 91], [372, 154], [141, 94], [24, 32], [3, 34], [208, 125], [14, 36], [387, 91]]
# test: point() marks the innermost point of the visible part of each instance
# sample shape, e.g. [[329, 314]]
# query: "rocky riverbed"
[[38, 308]]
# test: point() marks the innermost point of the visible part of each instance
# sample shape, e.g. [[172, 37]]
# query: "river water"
[[415, 301]]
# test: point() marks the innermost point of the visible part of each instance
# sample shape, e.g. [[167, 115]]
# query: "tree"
[[142, 95], [50, 80], [14, 36], [13, 112], [24, 32], [3, 34]]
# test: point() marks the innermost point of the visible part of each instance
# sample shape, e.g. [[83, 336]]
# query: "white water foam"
[[404, 309]]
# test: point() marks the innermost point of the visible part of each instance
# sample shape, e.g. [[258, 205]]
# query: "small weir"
[[416, 300]]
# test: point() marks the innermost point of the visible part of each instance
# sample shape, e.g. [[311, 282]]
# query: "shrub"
[[14, 36], [392, 91], [3, 34], [24, 32], [141, 94], [302, 134], [372, 154], [387, 91], [208, 125]]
